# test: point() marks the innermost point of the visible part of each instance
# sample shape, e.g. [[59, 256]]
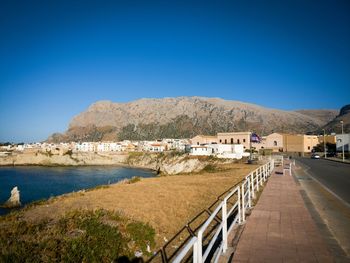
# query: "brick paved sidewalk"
[[280, 228]]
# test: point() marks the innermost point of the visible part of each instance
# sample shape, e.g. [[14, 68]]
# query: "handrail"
[[185, 250]]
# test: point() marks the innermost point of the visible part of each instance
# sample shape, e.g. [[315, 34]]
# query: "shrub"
[[210, 168], [134, 179], [80, 236]]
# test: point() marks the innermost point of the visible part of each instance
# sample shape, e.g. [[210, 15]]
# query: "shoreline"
[[79, 165], [48, 200]]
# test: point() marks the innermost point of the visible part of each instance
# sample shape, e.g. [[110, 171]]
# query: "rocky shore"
[[167, 163], [72, 159]]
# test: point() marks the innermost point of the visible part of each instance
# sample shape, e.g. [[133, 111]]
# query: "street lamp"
[[324, 143], [342, 136]]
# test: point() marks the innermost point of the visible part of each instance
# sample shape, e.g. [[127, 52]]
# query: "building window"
[[243, 140], [308, 147], [220, 140], [197, 143], [225, 141], [274, 143], [238, 141], [231, 140]]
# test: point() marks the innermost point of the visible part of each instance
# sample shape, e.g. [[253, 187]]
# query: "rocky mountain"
[[324, 116], [335, 125], [184, 117]]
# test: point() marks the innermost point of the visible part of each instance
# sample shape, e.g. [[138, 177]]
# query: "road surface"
[[335, 176]]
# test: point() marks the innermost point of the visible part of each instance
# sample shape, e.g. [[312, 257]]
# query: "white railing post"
[[252, 184], [263, 172], [257, 180], [239, 205], [261, 175], [199, 246], [224, 226], [249, 194], [243, 203], [195, 252]]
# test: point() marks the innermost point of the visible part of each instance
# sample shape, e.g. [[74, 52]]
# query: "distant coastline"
[[75, 159], [165, 163]]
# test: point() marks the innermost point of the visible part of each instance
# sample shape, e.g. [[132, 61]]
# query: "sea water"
[[37, 183]]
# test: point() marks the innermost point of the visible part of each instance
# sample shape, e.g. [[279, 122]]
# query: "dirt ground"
[[166, 203]]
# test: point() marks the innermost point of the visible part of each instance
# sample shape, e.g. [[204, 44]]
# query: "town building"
[[343, 140], [232, 151], [201, 150], [331, 139], [274, 142], [299, 143], [235, 138], [204, 139]]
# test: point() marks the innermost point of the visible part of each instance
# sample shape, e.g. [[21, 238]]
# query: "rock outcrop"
[[171, 164], [75, 159], [14, 200]]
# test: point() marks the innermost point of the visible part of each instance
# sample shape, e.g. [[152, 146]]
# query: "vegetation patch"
[[133, 156], [134, 179], [210, 168], [80, 236]]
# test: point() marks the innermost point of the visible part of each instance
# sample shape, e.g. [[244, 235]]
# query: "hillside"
[[182, 117], [335, 126], [324, 116]]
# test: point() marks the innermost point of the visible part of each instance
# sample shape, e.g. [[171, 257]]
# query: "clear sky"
[[58, 57]]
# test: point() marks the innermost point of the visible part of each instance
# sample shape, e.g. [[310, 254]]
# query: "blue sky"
[[58, 57]]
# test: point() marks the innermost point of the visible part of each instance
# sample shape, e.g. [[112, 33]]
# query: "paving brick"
[[280, 228]]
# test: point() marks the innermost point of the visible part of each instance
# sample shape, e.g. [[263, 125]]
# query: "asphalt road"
[[335, 176]]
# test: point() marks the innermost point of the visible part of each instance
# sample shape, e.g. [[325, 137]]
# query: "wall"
[[235, 138]]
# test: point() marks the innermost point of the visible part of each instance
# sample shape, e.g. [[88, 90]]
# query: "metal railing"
[[208, 241]]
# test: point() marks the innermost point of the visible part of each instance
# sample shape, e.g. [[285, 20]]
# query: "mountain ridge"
[[150, 118]]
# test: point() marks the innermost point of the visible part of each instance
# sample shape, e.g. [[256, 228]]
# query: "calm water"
[[35, 183]]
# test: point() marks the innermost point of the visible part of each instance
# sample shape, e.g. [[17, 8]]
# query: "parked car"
[[331, 154], [315, 156]]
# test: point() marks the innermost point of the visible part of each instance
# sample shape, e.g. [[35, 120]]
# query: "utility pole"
[[250, 146], [342, 138], [324, 143]]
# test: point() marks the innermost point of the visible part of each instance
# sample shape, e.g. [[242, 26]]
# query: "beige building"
[[329, 139], [235, 138], [274, 142], [299, 143], [204, 139]]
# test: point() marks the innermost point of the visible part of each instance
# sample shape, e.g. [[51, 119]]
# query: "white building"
[[85, 147], [176, 144], [231, 151], [343, 139], [115, 147], [201, 150], [156, 147], [20, 147]]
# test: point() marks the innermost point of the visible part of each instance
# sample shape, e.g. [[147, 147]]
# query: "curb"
[[337, 161]]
